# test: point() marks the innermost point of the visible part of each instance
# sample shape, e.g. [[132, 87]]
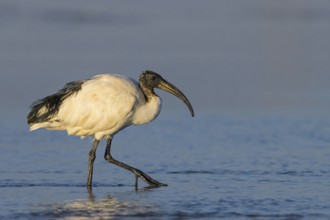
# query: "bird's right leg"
[[138, 173], [91, 162]]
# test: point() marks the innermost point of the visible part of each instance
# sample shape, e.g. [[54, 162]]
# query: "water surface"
[[216, 167], [255, 71]]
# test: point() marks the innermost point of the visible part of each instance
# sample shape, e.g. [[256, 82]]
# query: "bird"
[[102, 106]]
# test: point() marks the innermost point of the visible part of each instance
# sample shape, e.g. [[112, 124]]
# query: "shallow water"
[[216, 167], [260, 67]]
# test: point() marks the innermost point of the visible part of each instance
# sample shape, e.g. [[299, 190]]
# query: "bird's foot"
[[146, 178], [155, 183]]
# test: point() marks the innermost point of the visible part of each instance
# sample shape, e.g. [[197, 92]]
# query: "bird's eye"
[[152, 78]]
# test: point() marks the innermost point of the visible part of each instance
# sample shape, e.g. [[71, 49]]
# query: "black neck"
[[148, 92]]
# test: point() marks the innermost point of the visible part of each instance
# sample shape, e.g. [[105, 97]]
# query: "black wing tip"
[[33, 116], [52, 103]]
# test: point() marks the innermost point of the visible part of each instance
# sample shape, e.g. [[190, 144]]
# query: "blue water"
[[256, 73], [216, 167]]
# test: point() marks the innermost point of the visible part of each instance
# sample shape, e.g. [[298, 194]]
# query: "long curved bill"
[[168, 87]]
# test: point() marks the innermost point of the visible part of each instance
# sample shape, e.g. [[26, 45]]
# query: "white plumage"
[[101, 107], [105, 104]]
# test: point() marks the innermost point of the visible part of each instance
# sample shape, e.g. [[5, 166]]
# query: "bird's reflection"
[[91, 196], [91, 207], [102, 208]]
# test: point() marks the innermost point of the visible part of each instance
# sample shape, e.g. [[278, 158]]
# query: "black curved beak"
[[168, 87]]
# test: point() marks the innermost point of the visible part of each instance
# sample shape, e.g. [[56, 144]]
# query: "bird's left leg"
[[138, 173], [91, 162]]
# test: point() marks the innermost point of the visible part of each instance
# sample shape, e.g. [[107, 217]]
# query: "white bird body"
[[101, 107], [106, 104]]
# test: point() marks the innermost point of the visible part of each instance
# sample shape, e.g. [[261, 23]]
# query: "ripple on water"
[[107, 208]]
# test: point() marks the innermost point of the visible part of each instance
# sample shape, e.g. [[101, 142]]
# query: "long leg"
[[91, 162], [138, 173]]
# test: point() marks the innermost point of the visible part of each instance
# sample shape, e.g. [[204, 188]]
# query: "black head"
[[150, 80]]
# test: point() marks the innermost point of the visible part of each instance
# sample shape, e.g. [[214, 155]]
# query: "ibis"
[[102, 106]]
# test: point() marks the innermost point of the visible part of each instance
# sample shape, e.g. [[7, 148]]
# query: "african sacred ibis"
[[101, 107]]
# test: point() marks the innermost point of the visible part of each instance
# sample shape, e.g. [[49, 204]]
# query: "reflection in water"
[[92, 208], [103, 208]]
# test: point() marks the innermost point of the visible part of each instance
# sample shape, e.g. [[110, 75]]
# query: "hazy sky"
[[226, 56]]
